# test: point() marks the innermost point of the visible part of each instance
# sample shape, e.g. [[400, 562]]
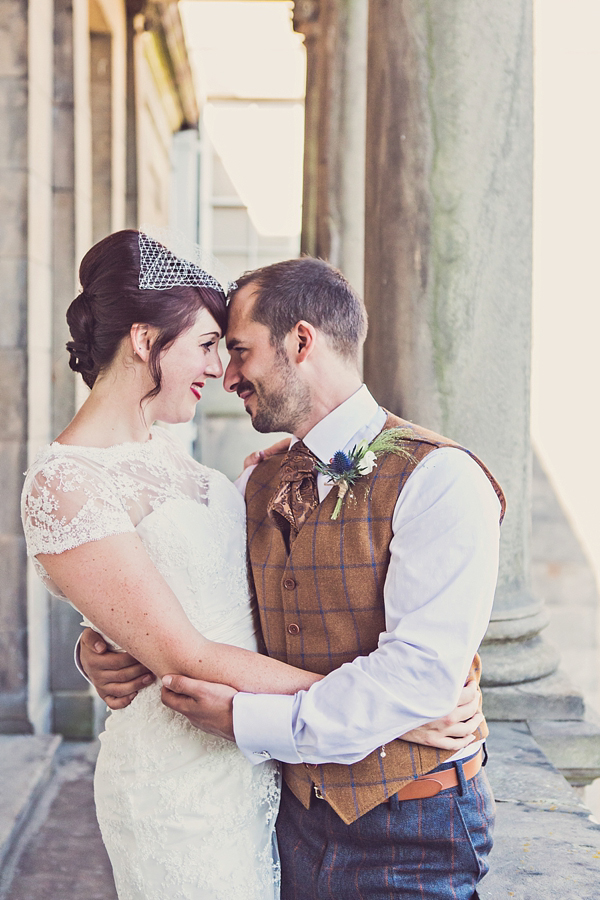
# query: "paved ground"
[[63, 856]]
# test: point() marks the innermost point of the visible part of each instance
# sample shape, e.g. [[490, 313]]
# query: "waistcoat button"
[[289, 584], [293, 628]]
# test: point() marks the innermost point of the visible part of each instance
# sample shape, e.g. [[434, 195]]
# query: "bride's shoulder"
[[60, 469], [54, 457]]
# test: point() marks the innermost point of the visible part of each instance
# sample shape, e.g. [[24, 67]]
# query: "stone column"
[[25, 235], [306, 22], [335, 114], [102, 138], [72, 187], [73, 711], [133, 9], [351, 146], [13, 364], [448, 277]]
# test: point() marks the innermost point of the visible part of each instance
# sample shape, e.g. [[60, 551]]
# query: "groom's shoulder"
[[418, 434], [421, 442]]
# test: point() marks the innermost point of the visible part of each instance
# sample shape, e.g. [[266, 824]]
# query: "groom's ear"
[[302, 341]]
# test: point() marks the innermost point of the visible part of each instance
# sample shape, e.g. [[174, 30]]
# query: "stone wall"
[[25, 186], [66, 176]]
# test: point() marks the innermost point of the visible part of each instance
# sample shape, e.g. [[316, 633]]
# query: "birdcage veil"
[[169, 259]]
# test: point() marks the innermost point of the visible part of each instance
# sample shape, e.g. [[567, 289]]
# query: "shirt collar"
[[336, 430]]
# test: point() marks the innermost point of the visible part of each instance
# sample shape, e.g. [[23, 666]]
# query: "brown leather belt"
[[431, 784]]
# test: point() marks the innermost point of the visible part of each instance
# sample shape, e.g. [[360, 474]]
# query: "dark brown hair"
[[111, 302], [312, 290]]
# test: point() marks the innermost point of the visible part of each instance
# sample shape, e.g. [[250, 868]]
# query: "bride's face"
[[191, 359]]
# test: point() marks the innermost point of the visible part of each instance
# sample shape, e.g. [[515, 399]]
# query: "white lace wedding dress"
[[183, 815]]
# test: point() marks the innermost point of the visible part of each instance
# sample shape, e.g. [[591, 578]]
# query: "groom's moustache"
[[244, 386]]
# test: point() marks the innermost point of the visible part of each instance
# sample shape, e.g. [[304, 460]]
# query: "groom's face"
[[261, 374]]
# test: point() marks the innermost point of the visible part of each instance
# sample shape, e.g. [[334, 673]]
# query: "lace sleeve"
[[67, 502]]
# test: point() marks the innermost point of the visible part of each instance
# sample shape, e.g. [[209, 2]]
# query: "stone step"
[[546, 842], [573, 747], [26, 764]]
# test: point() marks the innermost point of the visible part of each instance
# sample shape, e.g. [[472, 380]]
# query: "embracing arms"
[[114, 583], [117, 677]]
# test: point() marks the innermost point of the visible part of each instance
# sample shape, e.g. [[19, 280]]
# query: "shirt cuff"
[[77, 657], [262, 725]]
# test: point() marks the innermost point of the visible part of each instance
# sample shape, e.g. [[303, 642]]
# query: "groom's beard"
[[282, 402]]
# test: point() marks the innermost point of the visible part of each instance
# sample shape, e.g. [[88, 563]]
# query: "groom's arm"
[[117, 677], [209, 706]]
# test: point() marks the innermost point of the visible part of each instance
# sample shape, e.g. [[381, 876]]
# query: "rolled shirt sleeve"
[[438, 596]]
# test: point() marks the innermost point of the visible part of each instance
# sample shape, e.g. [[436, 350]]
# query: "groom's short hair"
[[311, 290]]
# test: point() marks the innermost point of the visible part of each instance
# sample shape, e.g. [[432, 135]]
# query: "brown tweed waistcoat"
[[322, 605]]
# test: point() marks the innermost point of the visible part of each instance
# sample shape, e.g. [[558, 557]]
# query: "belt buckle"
[[318, 792]]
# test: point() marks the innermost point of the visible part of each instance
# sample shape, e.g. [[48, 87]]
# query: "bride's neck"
[[113, 413]]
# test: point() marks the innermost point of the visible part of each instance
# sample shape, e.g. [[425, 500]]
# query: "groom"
[[389, 601]]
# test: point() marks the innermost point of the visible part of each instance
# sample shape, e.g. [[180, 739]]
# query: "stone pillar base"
[[553, 697], [517, 661]]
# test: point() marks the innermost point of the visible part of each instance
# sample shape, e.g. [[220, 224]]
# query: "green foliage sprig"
[[344, 469]]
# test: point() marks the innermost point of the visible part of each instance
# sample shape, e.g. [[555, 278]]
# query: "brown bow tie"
[[297, 494]]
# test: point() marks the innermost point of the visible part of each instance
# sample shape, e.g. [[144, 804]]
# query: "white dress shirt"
[[438, 596]]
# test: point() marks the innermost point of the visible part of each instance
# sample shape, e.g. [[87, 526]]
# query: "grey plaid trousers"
[[430, 849]]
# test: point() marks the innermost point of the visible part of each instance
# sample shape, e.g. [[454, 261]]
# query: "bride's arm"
[[114, 583]]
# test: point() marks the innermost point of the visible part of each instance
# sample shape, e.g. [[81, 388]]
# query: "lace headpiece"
[[168, 259]]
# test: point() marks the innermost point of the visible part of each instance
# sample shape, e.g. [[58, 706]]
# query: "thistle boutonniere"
[[344, 469]]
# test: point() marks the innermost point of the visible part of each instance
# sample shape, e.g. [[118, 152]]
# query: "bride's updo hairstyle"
[[111, 301]]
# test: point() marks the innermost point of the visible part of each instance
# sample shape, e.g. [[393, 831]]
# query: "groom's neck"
[[327, 395]]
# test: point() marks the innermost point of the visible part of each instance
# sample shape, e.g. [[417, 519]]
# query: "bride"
[[149, 546]]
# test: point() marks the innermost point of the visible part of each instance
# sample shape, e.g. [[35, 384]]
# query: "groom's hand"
[[208, 706], [117, 677], [456, 730]]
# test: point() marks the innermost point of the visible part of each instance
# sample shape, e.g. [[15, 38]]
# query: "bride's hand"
[[456, 730], [258, 455], [117, 677], [207, 705]]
